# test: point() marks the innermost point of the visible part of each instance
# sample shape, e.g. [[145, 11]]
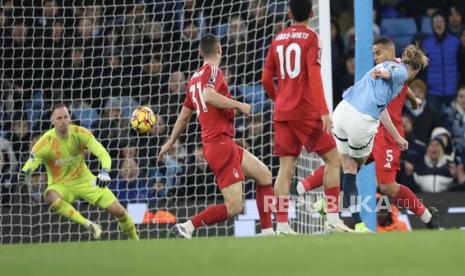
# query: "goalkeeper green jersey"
[[64, 159]]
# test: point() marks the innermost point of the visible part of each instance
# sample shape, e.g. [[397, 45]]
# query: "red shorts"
[[224, 157], [387, 162], [290, 136]]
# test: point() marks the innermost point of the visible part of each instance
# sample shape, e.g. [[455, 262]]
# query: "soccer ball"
[[142, 119]]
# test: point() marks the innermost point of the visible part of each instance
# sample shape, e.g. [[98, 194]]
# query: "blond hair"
[[414, 56]]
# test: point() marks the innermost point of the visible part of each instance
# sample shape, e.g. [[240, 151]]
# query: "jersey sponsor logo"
[[67, 160]]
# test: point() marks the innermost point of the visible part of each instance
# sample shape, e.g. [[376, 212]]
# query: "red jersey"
[[214, 122], [294, 58], [395, 112]]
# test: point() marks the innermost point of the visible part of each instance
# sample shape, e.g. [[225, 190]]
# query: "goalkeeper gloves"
[[24, 177], [103, 178]]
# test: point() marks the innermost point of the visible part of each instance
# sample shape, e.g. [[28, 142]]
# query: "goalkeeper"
[[61, 149]]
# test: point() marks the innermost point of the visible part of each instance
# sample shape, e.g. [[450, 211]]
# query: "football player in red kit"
[[301, 116], [208, 96]]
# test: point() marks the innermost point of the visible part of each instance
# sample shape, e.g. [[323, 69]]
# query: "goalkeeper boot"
[[284, 229], [337, 226], [361, 228], [96, 230], [320, 207], [181, 230], [434, 222]]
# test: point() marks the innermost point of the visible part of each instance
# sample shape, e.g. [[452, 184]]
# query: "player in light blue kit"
[[356, 118]]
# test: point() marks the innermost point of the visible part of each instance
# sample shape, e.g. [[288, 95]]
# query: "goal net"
[[103, 58]]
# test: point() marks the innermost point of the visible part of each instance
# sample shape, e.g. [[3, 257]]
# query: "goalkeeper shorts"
[[88, 191]]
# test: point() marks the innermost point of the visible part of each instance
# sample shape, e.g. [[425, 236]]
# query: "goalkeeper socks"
[[264, 199], [332, 199], [314, 180], [350, 191], [282, 207], [212, 214], [66, 210], [407, 199], [128, 227]]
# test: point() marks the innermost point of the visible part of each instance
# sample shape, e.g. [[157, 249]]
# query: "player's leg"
[[124, 220], [255, 169], [404, 197], [350, 168], [312, 181], [224, 159], [287, 146], [58, 198], [105, 199], [232, 206]]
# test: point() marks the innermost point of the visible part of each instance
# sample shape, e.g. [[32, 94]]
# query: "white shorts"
[[353, 131]]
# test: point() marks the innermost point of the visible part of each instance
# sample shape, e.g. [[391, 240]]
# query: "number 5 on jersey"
[[197, 87]]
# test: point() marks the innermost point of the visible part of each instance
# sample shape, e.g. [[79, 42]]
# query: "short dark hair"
[[384, 41], [208, 44], [301, 9], [58, 105], [439, 13]]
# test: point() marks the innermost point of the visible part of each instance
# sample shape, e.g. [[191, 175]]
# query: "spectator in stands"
[[154, 79], [6, 106], [171, 102], [455, 120], [8, 169], [200, 179], [433, 175], [441, 48], [129, 187], [461, 57], [234, 45], [424, 118], [154, 41], [454, 22], [345, 78], [337, 48], [175, 165], [20, 137], [190, 40], [387, 218], [446, 137]]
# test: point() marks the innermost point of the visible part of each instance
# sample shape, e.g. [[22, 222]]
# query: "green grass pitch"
[[416, 253]]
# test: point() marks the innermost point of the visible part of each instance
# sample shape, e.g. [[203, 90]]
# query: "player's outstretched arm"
[[97, 149], [220, 101], [179, 127], [387, 122]]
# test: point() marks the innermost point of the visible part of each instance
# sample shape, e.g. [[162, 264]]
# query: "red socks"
[[314, 180], [264, 199], [282, 208], [211, 215], [332, 199], [407, 199]]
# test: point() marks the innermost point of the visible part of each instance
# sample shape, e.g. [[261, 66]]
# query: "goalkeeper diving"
[[62, 151]]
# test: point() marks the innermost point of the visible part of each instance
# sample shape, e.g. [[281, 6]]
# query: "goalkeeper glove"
[[24, 177], [103, 178]]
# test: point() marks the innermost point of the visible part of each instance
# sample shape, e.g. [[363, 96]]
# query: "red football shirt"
[[214, 122], [294, 58], [395, 112]]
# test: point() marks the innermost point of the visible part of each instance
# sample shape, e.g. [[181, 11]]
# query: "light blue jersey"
[[370, 97]]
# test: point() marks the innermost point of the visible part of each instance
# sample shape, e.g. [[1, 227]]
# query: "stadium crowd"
[[105, 57]]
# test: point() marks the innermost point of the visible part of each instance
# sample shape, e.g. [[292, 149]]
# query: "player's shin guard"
[[350, 192], [314, 180], [264, 199], [128, 227], [212, 214], [407, 199], [66, 210]]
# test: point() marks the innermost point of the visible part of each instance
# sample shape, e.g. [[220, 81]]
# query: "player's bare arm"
[[414, 100], [179, 127], [387, 122], [220, 101]]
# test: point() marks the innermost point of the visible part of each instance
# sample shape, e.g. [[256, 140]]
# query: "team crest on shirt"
[[235, 173], [394, 68]]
